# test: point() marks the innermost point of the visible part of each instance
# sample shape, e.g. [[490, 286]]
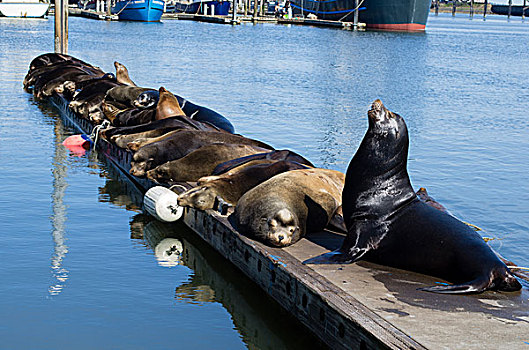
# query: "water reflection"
[[261, 323], [58, 219]]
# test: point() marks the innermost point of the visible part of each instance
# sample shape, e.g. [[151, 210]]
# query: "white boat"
[[23, 8]]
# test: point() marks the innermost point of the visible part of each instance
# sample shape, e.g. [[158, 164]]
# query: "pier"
[[353, 306]]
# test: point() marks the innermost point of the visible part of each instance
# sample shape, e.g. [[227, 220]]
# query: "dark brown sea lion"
[[387, 224], [122, 74], [87, 102], [181, 143], [168, 105], [172, 123], [274, 155], [281, 210], [200, 162], [125, 94], [53, 58], [230, 187]]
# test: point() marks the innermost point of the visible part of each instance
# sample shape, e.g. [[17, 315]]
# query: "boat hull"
[[222, 8], [515, 10], [23, 9], [139, 10], [401, 15]]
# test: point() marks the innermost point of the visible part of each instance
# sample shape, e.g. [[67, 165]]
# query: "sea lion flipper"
[[334, 257], [476, 286]]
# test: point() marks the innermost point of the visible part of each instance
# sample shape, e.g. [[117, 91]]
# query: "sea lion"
[[387, 224], [125, 94], [281, 210], [87, 102], [204, 114], [179, 144], [168, 105], [167, 124], [230, 187], [122, 74], [200, 162], [147, 99], [274, 155], [134, 116]]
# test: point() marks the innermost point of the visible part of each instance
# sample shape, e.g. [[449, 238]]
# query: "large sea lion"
[[122, 74], [387, 224], [200, 162], [168, 105], [232, 186], [179, 144], [281, 210]]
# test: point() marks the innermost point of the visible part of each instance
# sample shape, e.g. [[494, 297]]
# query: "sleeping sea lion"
[[281, 210], [231, 186], [200, 162]]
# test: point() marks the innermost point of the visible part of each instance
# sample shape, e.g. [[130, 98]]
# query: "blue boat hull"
[[139, 10], [221, 7]]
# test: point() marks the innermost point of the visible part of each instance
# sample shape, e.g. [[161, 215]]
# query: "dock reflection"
[[261, 323], [58, 219]]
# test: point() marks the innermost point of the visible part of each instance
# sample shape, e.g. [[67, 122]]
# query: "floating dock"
[[76, 12], [353, 306]]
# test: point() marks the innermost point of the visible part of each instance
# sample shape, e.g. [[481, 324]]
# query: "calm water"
[[79, 263]]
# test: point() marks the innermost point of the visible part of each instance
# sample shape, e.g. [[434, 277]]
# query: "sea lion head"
[[122, 74], [384, 123], [201, 197], [279, 228], [168, 105], [147, 99], [159, 173]]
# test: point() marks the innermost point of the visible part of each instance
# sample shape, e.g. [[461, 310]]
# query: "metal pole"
[[61, 26], [355, 17], [234, 15], [436, 7], [485, 8], [109, 6], [523, 10], [255, 6], [510, 8], [471, 8], [453, 7]]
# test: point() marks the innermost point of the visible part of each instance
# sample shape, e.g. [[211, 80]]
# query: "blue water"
[[79, 267]]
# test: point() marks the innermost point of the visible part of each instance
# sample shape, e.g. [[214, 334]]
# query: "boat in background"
[[398, 15], [23, 8], [139, 10], [517, 8], [220, 8]]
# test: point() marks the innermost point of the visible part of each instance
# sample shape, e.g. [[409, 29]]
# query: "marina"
[[397, 321]]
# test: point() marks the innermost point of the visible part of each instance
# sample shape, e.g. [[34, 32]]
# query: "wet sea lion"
[[281, 210], [230, 187], [387, 224], [274, 155], [168, 105], [200, 162], [122, 74], [204, 114], [179, 144]]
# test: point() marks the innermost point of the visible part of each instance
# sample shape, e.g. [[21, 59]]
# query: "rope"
[[127, 4], [356, 9], [94, 136], [518, 267]]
